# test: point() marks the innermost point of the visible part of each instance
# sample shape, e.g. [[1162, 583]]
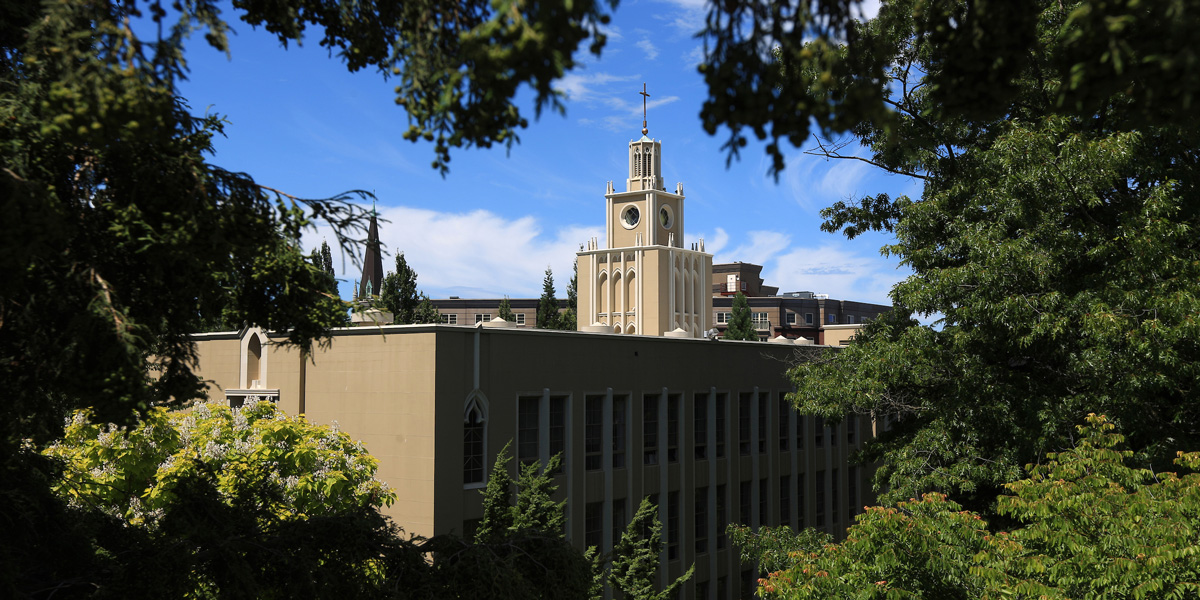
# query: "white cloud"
[[648, 47], [688, 15], [589, 87], [472, 254], [762, 247], [832, 270]]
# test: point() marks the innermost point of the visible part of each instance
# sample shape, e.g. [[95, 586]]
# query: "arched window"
[[474, 440]]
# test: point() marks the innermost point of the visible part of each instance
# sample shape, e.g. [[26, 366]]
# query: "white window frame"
[[483, 317], [520, 319], [450, 319], [791, 318]]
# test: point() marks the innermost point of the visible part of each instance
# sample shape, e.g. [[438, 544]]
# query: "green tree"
[[635, 558], [741, 323], [399, 294], [573, 288], [1052, 240], [228, 502], [426, 312], [775, 548], [505, 311], [548, 316], [1087, 525]]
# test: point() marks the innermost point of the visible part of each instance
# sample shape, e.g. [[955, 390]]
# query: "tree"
[[522, 540], [635, 558], [230, 501], [399, 294], [505, 311], [1053, 242], [323, 259], [1088, 525], [741, 325], [814, 67], [548, 316], [426, 312]]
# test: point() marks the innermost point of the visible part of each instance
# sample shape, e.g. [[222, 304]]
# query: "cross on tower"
[[644, 96]]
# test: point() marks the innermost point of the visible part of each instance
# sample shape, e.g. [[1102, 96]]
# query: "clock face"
[[631, 216]]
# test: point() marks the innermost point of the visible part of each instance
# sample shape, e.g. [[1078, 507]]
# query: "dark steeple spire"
[[372, 277]]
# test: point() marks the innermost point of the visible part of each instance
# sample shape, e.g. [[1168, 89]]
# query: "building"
[[702, 427]]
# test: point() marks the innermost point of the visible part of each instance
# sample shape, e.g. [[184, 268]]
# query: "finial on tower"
[[644, 96]]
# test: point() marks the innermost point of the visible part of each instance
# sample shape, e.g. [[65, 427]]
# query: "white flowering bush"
[[297, 470]]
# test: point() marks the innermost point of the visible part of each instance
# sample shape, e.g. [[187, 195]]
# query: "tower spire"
[[644, 96], [372, 276]]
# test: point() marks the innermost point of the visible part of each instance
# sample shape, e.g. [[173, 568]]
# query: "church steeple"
[[372, 277]]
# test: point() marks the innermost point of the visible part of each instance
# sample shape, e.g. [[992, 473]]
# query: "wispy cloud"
[[835, 271], [759, 250], [648, 47]]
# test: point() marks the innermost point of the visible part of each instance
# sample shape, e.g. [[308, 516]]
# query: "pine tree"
[[635, 558], [505, 311], [399, 293], [741, 325], [547, 315], [426, 312], [573, 289]]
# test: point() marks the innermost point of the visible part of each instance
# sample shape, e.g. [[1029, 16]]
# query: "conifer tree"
[[635, 558], [741, 325], [426, 312], [399, 294], [547, 315], [505, 311]]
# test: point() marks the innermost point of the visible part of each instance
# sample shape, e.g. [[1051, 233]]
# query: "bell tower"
[[644, 281]]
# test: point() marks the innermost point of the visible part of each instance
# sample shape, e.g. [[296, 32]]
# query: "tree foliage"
[[548, 316], [227, 502], [635, 558], [1054, 239], [505, 310], [741, 322], [775, 548], [1088, 525], [398, 293], [784, 70]]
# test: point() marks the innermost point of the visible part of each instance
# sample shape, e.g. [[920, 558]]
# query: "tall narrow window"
[[473, 446], [851, 428], [800, 507], [820, 499], [720, 422], [744, 423], [700, 426], [800, 423], [722, 517], [701, 520], [763, 406], [819, 434], [593, 428], [673, 427], [852, 490], [527, 429], [785, 500], [835, 503], [618, 520], [618, 433], [764, 508], [744, 503], [650, 429], [673, 525], [785, 422], [834, 434], [558, 427], [593, 524]]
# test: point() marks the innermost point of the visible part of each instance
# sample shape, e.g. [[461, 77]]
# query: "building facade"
[[701, 427]]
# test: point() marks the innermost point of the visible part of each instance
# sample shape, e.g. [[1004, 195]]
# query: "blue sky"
[[300, 122]]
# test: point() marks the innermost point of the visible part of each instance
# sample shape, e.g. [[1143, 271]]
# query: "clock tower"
[[643, 281]]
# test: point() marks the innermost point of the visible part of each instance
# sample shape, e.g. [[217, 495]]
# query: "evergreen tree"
[[426, 312], [741, 324], [547, 315], [505, 311], [573, 289], [635, 558], [399, 295]]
